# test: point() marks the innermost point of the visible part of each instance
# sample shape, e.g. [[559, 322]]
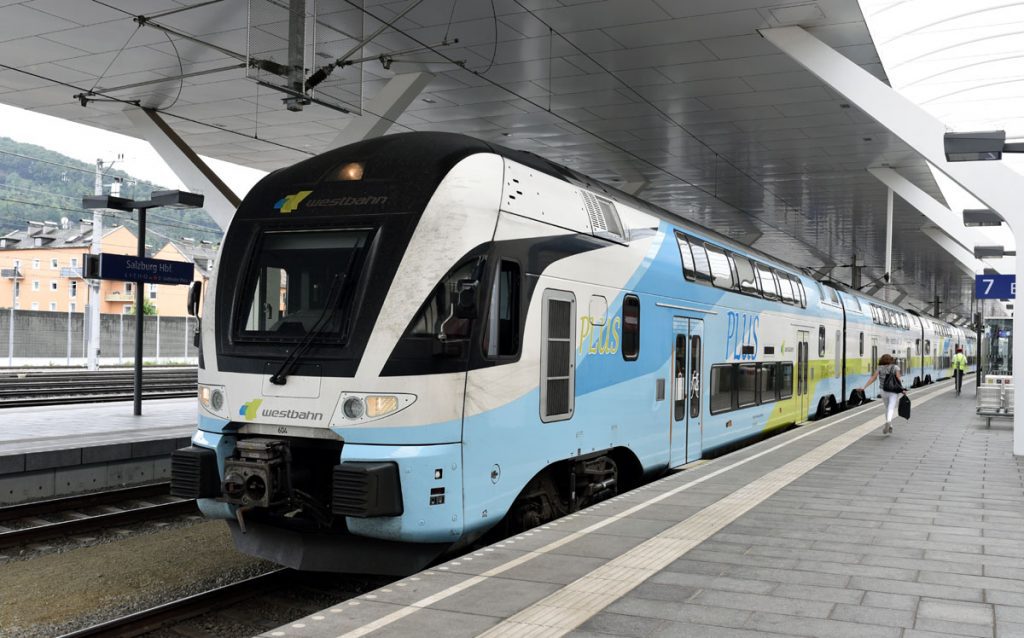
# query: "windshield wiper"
[[326, 315]]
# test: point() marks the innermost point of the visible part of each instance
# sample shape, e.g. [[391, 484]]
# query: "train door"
[[685, 431], [802, 386], [874, 357]]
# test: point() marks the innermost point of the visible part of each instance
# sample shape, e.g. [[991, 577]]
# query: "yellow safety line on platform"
[[605, 581]]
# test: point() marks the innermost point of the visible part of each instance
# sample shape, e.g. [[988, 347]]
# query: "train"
[[417, 339]]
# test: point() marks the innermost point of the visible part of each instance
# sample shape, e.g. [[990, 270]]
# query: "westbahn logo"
[[250, 410], [288, 203]]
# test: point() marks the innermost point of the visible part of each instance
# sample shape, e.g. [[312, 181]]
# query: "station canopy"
[[682, 102]]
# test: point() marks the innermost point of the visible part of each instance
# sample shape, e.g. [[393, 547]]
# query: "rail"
[[42, 530], [31, 388]]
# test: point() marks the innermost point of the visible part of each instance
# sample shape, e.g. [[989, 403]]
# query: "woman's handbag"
[[904, 407], [891, 383]]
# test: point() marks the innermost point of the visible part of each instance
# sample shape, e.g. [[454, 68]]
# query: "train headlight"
[[381, 405], [353, 408], [211, 397], [356, 408]]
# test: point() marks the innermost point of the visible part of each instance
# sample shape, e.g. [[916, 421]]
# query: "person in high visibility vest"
[[959, 367]]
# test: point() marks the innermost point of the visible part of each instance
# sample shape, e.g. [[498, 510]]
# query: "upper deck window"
[[745, 272], [686, 255], [768, 285], [720, 268], [700, 261]]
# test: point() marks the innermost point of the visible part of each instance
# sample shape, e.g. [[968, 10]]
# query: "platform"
[[68, 449], [831, 529], [57, 427]]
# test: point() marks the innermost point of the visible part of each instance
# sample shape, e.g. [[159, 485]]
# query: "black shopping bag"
[[904, 407]]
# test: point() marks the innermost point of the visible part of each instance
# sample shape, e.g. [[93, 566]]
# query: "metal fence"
[[43, 338]]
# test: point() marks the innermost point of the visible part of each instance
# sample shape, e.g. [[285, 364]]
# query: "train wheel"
[[833, 405], [928, 380], [917, 382], [822, 410]]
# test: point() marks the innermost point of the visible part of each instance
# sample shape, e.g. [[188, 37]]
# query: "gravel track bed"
[[98, 537], [47, 593]]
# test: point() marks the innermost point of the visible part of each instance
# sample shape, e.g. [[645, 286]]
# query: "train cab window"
[[769, 288], [701, 265], [558, 356], [298, 282], [502, 336], [686, 255], [855, 303], [721, 388], [630, 327], [786, 380], [746, 385], [821, 341], [745, 272], [436, 316], [720, 269]]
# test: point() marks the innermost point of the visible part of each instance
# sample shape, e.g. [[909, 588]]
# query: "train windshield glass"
[[299, 279]]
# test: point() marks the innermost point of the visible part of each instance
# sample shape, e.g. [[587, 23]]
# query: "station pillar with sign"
[[996, 346]]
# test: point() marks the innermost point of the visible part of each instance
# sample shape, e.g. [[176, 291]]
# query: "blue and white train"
[[412, 339]]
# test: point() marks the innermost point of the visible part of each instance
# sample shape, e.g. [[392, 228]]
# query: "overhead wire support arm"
[[321, 74]]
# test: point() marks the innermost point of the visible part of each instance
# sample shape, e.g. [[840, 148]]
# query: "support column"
[[92, 318], [221, 202], [993, 183], [385, 107], [888, 236]]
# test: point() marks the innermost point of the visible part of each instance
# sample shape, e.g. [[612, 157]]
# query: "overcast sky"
[[89, 144]]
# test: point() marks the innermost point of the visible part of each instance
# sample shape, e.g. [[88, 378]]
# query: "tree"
[[148, 308]]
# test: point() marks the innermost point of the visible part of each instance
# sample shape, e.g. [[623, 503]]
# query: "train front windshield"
[[300, 281]]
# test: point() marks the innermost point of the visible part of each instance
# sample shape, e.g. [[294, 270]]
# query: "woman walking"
[[888, 374]]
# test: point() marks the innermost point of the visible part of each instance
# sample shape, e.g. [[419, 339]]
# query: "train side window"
[[695, 367], [786, 288], [821, 341], [720, 269], [687, 256], [558, 356], [767, 385], [833, 296], [502, 336], [917, 346], [721, 388], [768, 285], [630, 327], [700, 261], [746, 385], [803, 293], [745, 272], [927, 346], [862, 344], [786, 380]]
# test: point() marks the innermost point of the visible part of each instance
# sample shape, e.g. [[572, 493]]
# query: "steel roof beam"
[[384, 109], [221, 201], [994, 184]]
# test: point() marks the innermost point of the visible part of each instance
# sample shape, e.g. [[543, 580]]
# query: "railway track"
[[33, 388], [243, 608], [32, 522]]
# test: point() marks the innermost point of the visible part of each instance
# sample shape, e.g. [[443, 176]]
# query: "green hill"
[[42, 185]]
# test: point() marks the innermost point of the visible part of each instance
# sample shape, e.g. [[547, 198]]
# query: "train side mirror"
[[465, 299], [195, 295]]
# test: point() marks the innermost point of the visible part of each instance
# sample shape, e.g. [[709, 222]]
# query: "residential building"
[[48, 260]]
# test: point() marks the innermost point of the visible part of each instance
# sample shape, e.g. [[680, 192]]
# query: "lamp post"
[[158, 199], [10, 324]]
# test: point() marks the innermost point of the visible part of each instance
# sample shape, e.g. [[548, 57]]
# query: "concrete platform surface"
[[59, 427], [831, 529]]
